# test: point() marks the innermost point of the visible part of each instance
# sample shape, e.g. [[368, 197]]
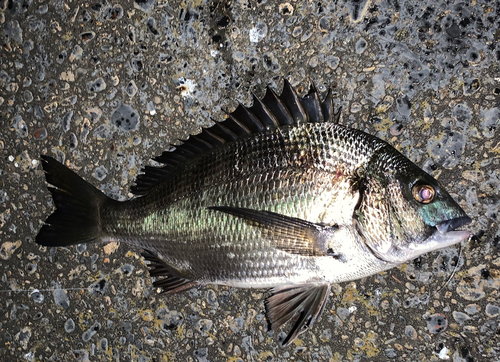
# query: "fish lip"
[[452, 224]]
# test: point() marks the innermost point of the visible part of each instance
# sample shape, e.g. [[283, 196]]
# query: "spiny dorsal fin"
[[270, 112]]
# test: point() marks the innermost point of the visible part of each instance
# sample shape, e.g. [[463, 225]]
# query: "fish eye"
[[423, 193]]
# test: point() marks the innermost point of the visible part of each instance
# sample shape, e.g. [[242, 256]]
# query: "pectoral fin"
[[291, 234], [301, 303], [173, 282]]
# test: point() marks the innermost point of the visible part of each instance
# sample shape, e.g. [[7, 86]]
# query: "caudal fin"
[[76, 218]]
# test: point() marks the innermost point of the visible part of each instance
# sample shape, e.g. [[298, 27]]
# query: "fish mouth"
[[446, 235], [451, 225]]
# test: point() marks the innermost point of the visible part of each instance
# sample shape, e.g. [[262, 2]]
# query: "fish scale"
[[277, 196]]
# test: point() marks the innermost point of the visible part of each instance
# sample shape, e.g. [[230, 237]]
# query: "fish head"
[[403, 212]]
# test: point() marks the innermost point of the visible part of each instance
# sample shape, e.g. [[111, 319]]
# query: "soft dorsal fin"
[[270, 112]]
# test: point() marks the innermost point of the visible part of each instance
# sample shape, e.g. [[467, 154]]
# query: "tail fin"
[[77, 216]]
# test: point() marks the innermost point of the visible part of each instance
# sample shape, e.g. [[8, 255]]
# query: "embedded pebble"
[[73, 141], [81, 355], [144, 5], [19, 125], [13, 31], [472, 309], [60, 297], [103, 344], [270, 62], [447, 149], [436, 323], [69, 325], [237, 324], [411, 332], [131, 88], [490, 121], [76, 54], [170, 319], [361, 46], [403, 106], [238, 56], [100, 173], [88, 334], [37, 296], [66, 121], [332, 61], [31, 268], [492, 311], [23, 337], [203, 325], [97, 85], [113, 13], [87, 36], [258, 33], [460, 317], [8, 248], [127, 269], [125, 118], [99, 287], [28, 96], [343, 313], [40, 133], [390, 353]]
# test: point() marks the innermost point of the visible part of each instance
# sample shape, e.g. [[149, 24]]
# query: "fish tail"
[[78, 204]]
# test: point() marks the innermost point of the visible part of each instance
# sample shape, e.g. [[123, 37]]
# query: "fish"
[[279, 196]]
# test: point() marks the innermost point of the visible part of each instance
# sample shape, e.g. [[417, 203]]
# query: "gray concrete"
[[105, 87]]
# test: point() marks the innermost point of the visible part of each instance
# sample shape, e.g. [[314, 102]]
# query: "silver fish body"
[[278, 196]]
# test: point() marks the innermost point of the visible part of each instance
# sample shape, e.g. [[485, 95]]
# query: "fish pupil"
[[423, 193]]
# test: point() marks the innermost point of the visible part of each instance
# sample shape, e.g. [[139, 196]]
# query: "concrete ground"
[[105, 86]]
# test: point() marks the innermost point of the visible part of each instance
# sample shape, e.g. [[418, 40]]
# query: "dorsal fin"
[[270, 112], [312, 105]]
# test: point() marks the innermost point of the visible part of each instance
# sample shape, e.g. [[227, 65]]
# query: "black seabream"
[[279, 196]]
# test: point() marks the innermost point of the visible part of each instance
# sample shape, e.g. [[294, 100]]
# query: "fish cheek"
[[388, 222], [372, 215], [411, 227]]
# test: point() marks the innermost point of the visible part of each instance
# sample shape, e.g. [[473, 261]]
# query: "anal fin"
[[301, 303], [172, 283]]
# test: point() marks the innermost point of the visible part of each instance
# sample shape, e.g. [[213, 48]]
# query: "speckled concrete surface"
[[105, 86]]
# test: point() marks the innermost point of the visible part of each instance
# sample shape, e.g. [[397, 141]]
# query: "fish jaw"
[[446, 235], [450, 225], [443, 236]]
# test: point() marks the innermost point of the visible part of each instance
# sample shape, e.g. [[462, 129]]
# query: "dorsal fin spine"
[[312, 105], [291, 99], [251, 117], [201, 143], [281, 113], [261, 110], [214, 136], [237, 122], [225, 130], [328, 108]]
